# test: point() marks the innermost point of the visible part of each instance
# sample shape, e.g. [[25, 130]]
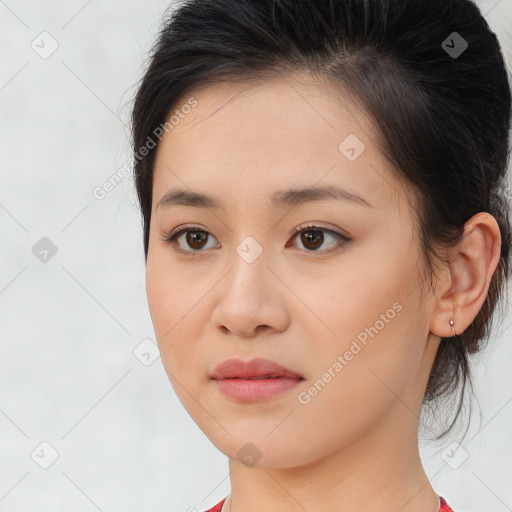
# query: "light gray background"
[[69, 375]]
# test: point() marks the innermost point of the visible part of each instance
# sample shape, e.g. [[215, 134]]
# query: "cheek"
[[167, 301], [353, 385], [368, 318], [161, 297], [179, 312], [363, 289], [177, 322], [167, 292]]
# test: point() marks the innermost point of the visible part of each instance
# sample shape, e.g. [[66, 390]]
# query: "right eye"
[[195, 238]]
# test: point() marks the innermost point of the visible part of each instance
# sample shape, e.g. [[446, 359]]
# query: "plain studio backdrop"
[[88, 418]]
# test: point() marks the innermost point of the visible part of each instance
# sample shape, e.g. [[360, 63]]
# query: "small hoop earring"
[[453, 329]]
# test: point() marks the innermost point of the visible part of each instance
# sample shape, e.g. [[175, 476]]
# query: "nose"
[[251, 299]]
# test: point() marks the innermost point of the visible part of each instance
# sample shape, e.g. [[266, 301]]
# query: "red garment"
[[443, 508]]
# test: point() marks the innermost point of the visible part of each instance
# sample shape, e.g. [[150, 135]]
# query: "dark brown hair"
[[431, 76]]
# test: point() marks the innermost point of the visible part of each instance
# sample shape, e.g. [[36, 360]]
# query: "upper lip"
[[239, 369]]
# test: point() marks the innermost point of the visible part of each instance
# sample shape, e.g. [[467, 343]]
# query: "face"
[[329, 288]]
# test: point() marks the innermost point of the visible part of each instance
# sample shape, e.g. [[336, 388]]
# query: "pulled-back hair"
[[441, 109]]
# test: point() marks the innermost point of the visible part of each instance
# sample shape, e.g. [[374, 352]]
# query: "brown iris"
[[312, 239], [312, 236], [194, 237]]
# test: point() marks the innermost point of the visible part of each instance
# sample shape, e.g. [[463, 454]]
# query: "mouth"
[[259, 378], [255, 369], [256, 389], [255, 380]]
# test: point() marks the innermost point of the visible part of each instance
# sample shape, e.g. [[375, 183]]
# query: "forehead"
[[296, 129], [227, 107]]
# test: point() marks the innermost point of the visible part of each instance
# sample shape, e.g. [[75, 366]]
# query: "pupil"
[[194, 237], [316, 237]]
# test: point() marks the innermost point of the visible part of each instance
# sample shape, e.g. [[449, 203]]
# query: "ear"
[[462, 289]]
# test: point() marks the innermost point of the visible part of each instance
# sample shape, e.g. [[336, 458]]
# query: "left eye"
[[312, 237]]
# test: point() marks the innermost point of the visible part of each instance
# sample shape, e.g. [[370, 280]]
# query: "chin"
[[264, 452]]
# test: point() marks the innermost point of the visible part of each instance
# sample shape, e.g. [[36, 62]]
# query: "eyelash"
[[172, 237]]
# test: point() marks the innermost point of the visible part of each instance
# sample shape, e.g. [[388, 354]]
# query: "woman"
[[325, 233]]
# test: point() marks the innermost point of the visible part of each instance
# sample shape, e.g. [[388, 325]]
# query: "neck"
[[382, 471]]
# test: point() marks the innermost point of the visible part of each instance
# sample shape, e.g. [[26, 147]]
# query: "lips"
[[255, 369]]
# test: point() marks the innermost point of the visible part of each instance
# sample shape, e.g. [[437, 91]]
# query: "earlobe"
[[466, 282]]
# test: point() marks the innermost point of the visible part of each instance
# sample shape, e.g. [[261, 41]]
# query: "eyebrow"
[[280, 199]]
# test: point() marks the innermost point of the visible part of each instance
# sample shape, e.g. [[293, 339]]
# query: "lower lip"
[[254, 390]]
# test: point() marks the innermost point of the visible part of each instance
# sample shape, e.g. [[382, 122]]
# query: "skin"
[[354, 445]]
